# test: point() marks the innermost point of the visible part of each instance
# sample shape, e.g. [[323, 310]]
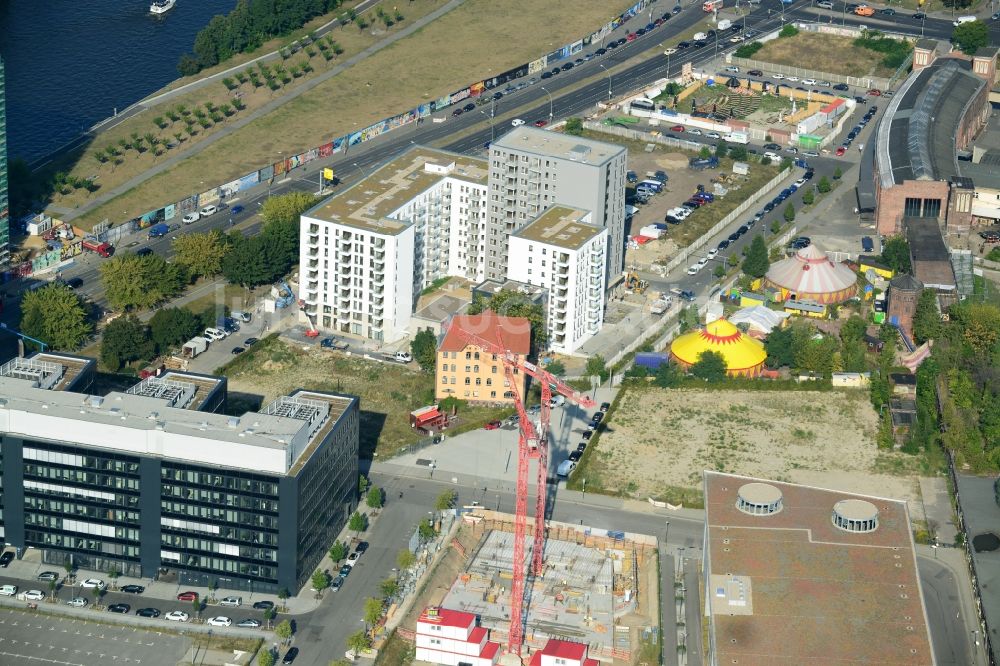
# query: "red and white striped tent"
[[810, 275]]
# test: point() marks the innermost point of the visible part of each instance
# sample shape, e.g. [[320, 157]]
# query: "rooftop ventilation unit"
[[759, 499], [42, 374], [854, 515], [177, 394]]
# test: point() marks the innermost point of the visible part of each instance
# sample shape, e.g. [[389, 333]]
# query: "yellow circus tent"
[[809, 275], [744, 355]]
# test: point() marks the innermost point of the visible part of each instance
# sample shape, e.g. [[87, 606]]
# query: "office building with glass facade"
[[4, 207], [158, 482]]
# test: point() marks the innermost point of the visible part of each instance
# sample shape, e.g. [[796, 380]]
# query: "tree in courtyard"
[[374, 498], [320, 581], [338, 551], [405, 559], [358, 522], [738, 153], [511, 303], [125, 340], [268, 616], [424, 349], [56, 315], [705, 152], [926, 317], [131, 281], [789, 213], [970, 37], [852, 330], [666, 376], [896, 254], [823, 186], [710, 366], [445, 500], [574, 126], [172, 326], [756, 262], [201, 253]]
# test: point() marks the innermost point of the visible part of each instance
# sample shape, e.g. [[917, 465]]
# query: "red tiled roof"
[[489, 650], [565, 649], [448, 618], [516, 331]]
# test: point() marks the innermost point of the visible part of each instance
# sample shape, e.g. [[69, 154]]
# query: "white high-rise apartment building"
[[367, 252], [532, 170], [566, 254]]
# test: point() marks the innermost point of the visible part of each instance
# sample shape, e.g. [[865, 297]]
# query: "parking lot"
[[28, 638]]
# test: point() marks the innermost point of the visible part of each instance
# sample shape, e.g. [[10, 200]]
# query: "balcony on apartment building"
[[313, 274], [313, 252]]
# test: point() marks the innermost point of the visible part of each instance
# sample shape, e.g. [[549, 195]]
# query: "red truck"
[[103, 249]]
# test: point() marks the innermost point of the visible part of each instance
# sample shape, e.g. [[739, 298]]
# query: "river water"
[[69, 64]]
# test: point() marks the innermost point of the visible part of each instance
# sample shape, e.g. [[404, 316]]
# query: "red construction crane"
[[532, 443]]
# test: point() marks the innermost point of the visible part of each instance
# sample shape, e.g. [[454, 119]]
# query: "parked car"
[[191, 218], [77, 602], [492, 425], [236, 351], [344, 572], [867, 244], [263, 605], [236, 210], [133, 589], [250, 342], [219, 621], [6, 558], [93, 584], [290, 656], [352, 559], [187, 596], [8, 590], [541, 123], [34, 595], [215, 334], [249, 623], [234, 602], [209, 210], [47, 576], [119, 608], [840, 151], [148, 612], [177, 616]]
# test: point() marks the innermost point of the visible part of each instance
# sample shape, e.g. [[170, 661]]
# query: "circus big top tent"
[[810, 275], [743, 354]]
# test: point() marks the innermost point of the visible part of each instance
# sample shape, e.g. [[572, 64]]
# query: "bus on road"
[[711, 5]]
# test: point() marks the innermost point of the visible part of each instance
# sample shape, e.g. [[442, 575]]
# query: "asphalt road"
[[950, 637]]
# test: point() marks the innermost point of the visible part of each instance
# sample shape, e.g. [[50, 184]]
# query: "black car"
[[143, 251], [361, 547], [867, 244], [841, 86], [733, 237], [575, 455], [263, 605], [119, 608], [755, 72], [290, 656], [661, 176], [469, 107], [887, 11], [684, 45], [873, 109], [700, 43], [587, 434], [74, 283], [6, 558], [237, 351], [711, 34], [640, 32], [546, 75], [769, 207], [148, 612], [670, 219], [581, 447], [859, 99], [133, 589], [597, 417], [772, 146], [250, 342], [920, 16], [497, 95], [743, 229], [723, 244], [567, 66], [736, 27], [600, 51], [676, 9], [605, 406]]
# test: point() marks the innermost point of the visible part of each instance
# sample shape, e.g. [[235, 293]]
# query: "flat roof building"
[[564, 253], [532, 170], [158, 481], [367, 252], [801, 575]]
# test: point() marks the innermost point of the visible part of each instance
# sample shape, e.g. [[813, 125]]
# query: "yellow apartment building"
[[469, 372]]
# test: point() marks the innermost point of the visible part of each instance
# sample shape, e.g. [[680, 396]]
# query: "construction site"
[[596, 587]]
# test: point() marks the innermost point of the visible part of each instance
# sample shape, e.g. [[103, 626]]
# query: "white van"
[[8, 590], [963, 19], [214, 334], [517, 122], [700, 36]]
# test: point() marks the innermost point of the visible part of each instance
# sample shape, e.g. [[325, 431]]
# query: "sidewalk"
[[954, 560], [273, 105]]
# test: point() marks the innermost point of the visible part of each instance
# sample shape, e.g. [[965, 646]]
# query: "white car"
[[34, 595], [219, 621], [695, 131], [77, 602], [353, 558], [733, 68], [777, 77], [191, 218], [209, 210], [713, 253], [176, 616], [808, 82], [93, 583], [693, 270], [702, 261], [793, 79], [736, 39], [8, 590], [234, 602], [772, 155], [800, 182], [713, 135], [825, 84], [517, 122], [672, 50], [215, 334]]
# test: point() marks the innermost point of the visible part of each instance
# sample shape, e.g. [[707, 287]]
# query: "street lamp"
[[550, 102], [609, 79], [363, 173], [490, 117], [666, 534]]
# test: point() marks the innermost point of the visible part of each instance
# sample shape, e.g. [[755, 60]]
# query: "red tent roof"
[[516, 331]]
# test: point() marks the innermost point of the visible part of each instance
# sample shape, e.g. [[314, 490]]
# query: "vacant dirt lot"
[[659, 442], [823, 53], [388, 391]]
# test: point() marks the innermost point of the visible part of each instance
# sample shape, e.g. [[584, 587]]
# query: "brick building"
[[939, 110], [904, 292], [931, 259]]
